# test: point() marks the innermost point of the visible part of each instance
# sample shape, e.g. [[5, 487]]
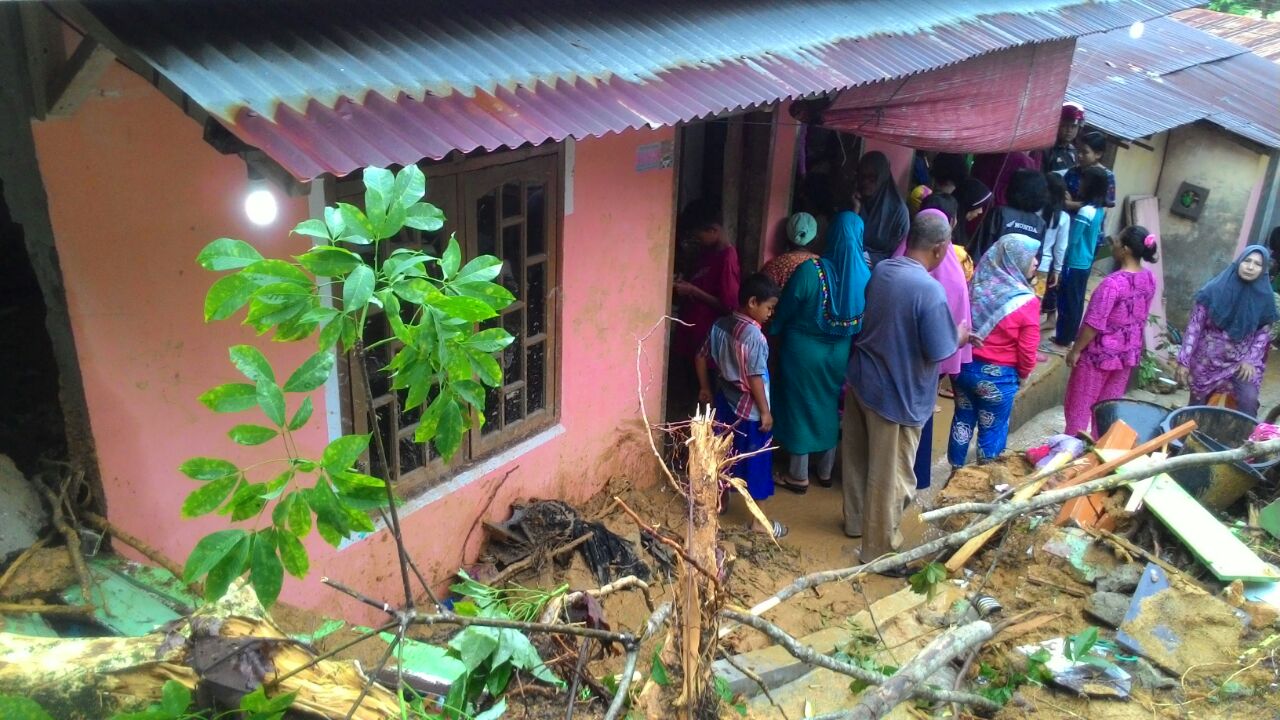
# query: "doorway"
[[31, 420], [722, 163]]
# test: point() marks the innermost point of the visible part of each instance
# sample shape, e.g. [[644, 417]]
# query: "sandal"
[[779, 530], [946, 393], [786, 483], [825, 482]]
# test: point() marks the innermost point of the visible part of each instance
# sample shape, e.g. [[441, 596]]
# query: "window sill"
[[463, 479]]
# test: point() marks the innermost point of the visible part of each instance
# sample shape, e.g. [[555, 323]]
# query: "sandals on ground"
[[779, 530], [785, 482]]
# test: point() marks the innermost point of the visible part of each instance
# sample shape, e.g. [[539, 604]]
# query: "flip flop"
[[786, 484], [826, 483], [946, 393], [779, 530]]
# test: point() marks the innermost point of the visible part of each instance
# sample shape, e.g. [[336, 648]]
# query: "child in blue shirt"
[[739, 352], [1086, 228]]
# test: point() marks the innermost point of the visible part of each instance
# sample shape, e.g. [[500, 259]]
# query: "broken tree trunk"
[[90, 678], [878, 702], [691, 643]]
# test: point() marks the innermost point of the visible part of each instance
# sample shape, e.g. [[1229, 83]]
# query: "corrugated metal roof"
[[1260, 36], [332, 85], [1174, 75]]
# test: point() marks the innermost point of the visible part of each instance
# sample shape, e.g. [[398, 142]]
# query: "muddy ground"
[[1003, 569]]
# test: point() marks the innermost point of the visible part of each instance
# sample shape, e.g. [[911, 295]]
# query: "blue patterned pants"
[[984, 402]]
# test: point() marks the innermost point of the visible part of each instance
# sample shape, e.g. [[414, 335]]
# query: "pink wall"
[[135, 193], [782, 167]]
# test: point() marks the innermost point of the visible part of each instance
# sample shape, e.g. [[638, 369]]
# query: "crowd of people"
[[942, 292]]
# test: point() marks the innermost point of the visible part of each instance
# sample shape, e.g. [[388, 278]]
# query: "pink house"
[[564, 143]]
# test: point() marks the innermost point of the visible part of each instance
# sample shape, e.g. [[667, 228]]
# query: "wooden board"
[[1212, 543]]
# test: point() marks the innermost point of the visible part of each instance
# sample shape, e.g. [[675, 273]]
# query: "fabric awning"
[[1009, 100]]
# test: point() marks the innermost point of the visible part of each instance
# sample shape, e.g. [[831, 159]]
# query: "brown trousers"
[[878, 480]]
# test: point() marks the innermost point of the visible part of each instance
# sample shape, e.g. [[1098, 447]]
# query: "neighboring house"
[[560, 140], [1188, 109], [1261, 36]]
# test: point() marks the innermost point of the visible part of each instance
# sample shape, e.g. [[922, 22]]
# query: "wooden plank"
[[1089, 511], [967, 551], [1212, 543], [79, 77]]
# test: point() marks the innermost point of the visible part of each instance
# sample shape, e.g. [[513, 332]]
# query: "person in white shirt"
[[1054, 250]]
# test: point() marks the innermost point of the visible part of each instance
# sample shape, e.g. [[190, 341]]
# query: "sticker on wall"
[[655, 156], [1189, 202]]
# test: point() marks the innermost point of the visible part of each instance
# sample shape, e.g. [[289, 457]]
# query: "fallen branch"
[[103, 525], [1172, 571], [1074, 592], [72, 538], [753, 677], [808, 655], [881, 701], [18, 561], [1270, 448], [680, 550], [41, 609], [644, 414], [656, 620]]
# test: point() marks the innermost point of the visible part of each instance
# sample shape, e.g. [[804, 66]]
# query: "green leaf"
[[226, 296], [451, 259], [175, 698], [256, 705], [227, 254], [355, 479], [495, 296], [425, 217], [470, 391], [231, 566], [356, 226], [496, 711], [481, 269], [405, 263], [489, 341], [312, 228], [203, 468], [278, 484], [342, 453], [303, 414], [251, 434], [474, 645], [334, 222], [207, 498], [293, 555], [232, 397], [210, 551], [410, 187], [250, 361], [330, 261], [357, 289], [246, 502], [486, 367], [300, 517], [311, 374], [658, 672], [357, 521], [463, 308], [265, 572], [271, 400], [449, 433], [271, 272]]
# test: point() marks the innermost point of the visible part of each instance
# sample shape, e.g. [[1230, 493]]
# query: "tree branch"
[[808, 655], [657, 619]]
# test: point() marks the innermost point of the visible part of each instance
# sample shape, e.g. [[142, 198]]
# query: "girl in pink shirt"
[[1006, 318]]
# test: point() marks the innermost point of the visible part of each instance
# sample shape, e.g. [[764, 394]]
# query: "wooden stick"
[[104, 525], [880, 701], [666, 541], [1074, 592], [76, 610], [1123, 544], [18, 561], [73, 543], [971, 548]]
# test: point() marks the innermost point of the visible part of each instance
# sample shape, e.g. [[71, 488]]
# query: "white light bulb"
[[1136, 29], [260, 205]]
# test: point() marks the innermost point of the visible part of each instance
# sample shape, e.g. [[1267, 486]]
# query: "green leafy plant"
[[433, 307], [14, 707], [491, 656], [999, 684], [860, 653], [1080, 648], [725, 693], [926, 581], [1148, 369], [176, 703]]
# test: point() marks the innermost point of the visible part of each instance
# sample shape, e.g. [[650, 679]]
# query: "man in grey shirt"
[[893, 381]]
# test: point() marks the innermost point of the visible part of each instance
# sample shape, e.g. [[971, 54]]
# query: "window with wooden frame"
[[508, 206]]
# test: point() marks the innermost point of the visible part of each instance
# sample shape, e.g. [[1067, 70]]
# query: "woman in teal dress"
[[817, 316]]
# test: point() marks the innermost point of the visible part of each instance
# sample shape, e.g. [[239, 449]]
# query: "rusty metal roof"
[[333, 85], [1260, 36], [1171, 76]]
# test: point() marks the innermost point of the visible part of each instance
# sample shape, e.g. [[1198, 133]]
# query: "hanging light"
[[260, 204], [1137, 29]]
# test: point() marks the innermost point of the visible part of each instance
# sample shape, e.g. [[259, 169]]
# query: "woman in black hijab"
[[884, 212]]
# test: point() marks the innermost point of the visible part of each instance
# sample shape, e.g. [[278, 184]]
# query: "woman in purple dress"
[[1224, 350]]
